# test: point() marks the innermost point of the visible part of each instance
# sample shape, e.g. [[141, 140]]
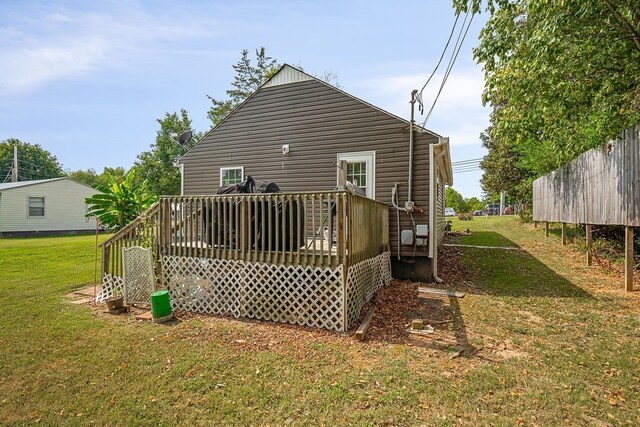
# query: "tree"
[[119, 203], [247, 80], [504, 169], [474, 204], [90, 177], [156, 166], [453, 199], [87, 177], [34, 162], [561, 77]]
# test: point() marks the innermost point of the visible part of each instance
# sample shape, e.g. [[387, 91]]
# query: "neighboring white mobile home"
[[47, 206]]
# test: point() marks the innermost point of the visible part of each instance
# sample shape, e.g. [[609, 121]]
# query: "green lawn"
[[554, 343]]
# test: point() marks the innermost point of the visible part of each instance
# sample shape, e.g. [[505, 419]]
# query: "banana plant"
[[118, 204]]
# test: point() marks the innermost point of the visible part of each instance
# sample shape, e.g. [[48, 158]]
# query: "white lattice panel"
[[139, 279], [363, 280], [110, 285], [311, 296]]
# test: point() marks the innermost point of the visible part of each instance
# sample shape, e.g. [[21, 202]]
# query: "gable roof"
[[11, 185], [287, 74], [20, 184]]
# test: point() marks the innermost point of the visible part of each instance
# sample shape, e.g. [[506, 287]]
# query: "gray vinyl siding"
[[318, 122]]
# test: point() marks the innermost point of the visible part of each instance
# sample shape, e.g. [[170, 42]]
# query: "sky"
[[88, 80]]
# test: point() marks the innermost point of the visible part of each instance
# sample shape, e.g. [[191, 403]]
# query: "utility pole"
[[409, 204], [14, 169], [501, 202]]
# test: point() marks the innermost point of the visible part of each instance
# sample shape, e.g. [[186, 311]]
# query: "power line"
[[452, 61], [446, 46], [468, 161], [470, 170], [466, 170], [8, 175]]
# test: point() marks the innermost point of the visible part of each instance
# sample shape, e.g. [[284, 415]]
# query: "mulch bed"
[[399, 304]]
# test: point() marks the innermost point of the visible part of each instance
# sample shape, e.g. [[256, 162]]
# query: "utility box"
[[406, 237], [422, 230]]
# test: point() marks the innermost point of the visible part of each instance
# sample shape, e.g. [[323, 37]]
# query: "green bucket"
[[160, 306]]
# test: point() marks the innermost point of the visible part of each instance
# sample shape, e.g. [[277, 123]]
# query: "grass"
[[555, 343]]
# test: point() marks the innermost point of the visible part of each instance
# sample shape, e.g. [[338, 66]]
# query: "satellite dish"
[[185, 138]]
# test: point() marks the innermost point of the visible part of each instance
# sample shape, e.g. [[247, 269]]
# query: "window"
[[357, 174], [36, 206], [231, 175], [361, 170]]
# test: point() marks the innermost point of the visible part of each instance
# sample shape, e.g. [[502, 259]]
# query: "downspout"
[[433, 235], [394, 202]]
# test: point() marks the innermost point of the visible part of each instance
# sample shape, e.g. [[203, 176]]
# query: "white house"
[[46, 206]]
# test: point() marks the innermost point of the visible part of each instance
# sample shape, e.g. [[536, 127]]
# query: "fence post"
[[546, 229], [589, 244], [628, 258], [564, 234], [535, 225]]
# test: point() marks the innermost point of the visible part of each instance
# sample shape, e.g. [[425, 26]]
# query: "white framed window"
[[35, 206], [231, 175], [361, 170]]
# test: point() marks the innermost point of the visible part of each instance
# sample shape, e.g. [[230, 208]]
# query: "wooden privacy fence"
[[306, 258], [599, 187]]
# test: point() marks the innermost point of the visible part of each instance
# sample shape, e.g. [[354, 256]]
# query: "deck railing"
[[143, 231], [311, 229]]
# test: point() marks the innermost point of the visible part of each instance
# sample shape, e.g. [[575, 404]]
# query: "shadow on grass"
[[501, 272], [482, 238]]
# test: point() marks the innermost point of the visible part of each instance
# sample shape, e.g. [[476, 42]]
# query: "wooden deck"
[[317, 229]]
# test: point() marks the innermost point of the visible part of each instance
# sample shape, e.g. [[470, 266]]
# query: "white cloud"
[[458, 113], [41, 49]]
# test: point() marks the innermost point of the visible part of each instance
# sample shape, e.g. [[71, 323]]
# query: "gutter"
[[433, 165]]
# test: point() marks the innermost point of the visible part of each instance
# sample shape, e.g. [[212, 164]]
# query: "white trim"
[[226, 168], [44, 207], [432, 202], [370, 158], [182, 179]]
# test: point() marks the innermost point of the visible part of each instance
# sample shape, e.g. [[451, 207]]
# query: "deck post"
[[589, 244], [564, 234], [546, 229], [342, 174], [105, 261], [628, 258]]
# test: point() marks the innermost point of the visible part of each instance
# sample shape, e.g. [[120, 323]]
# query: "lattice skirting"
[[363, 280], [110, 285], [310, 296]]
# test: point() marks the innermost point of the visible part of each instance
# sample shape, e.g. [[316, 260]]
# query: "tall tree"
[[247, 79], [504, 169], [561, 76], [34, 162], [156, 166]]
